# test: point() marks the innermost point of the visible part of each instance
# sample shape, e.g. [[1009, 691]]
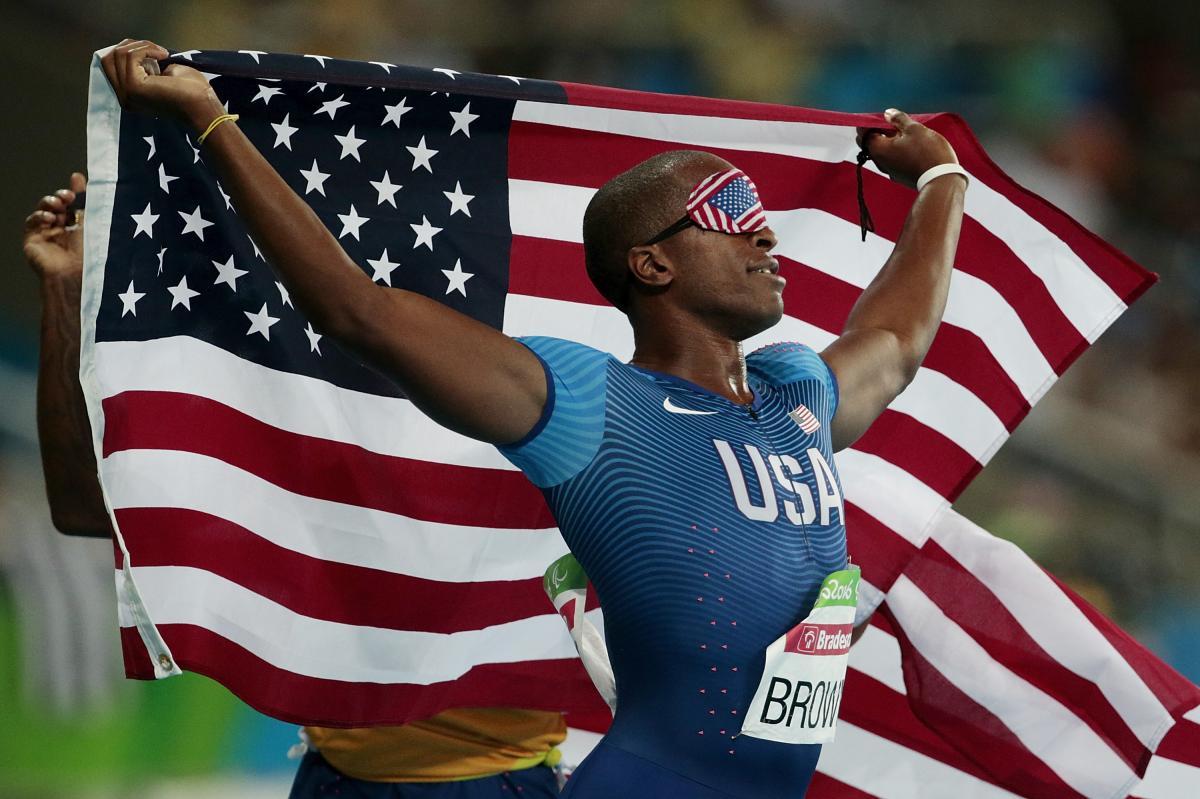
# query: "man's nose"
[[765, 239]]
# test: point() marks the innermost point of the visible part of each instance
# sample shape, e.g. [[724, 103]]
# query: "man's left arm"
[[891, 326]]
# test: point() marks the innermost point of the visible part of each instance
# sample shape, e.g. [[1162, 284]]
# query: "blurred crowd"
[[1093, 105]]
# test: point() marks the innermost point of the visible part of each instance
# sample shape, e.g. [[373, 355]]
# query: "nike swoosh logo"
[[673, 408]]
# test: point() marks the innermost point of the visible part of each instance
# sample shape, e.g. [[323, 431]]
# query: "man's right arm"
[[462, 373]]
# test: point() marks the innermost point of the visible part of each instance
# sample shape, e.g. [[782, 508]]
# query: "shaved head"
[[632, 208]]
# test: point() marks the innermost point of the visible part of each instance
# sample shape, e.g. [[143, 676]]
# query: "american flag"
[[802, 416], [291, 527], [727, 201]]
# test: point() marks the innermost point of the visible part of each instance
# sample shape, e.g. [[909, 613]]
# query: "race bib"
[[800, 693]]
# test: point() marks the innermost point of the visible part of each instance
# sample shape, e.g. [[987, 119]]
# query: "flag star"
[[194, 223], [313, 338], [331, 106], [458, 200], [458, 278], [320, 58], [129, 300], [260, 322], [161, 253], [387, 190], [186, 54], [265, 93], [195, 153], [211, 76], [254, 244], [228, 273], [384, 65], [314, 179], [382, 267], [350, 144], [225, 197], [284, 297], [253, 54], [182, 295], [463, 120], [394, 112], [421, 156], [448, 72], [145, 222], [513, 78], [351, 222], [425, 233], [150, 141], [164, 180], [319, 86], [284, 131]]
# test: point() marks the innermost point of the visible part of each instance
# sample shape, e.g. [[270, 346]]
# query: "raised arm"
[[460, 372], [892, 325], [53, 246]]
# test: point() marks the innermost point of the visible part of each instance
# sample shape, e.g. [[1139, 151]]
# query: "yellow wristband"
[[213, 126]]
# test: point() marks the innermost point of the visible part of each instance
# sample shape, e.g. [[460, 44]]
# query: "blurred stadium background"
[[1093, 105]]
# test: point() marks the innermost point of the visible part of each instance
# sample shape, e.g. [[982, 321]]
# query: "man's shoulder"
[[561, 351], [787, 362]]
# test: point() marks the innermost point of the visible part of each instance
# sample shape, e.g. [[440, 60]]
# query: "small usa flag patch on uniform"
[[802, 416]]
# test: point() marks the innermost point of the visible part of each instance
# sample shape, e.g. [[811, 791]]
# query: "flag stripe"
[[1043, 725], [993, 627], [926, 454], [823, 786], [1182, 743], [318, 588], [278, 692], [329, 530], [322, 469], [337, 651], [1035, 605]]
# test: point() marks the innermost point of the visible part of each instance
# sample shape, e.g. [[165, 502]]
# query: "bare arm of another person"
[[891, 326], [53, 246], [460, 372]]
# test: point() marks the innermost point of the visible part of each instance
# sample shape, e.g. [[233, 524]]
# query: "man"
[[466, 753], [695, 485]]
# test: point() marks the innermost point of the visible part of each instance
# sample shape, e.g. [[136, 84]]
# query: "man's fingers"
[[78, 183], [900, 120], [38, 221]]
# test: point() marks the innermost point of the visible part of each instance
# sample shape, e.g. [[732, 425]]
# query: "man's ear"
[[650, 266]]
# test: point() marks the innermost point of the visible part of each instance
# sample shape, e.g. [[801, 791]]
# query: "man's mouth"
[[770, 267]]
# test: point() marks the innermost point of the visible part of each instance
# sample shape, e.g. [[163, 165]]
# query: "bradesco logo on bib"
[[800, 693]]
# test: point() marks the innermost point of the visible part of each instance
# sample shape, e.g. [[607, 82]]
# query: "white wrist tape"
[[938, 171]]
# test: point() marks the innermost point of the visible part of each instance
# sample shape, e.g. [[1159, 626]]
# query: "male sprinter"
[[695, 486], [465, 753]]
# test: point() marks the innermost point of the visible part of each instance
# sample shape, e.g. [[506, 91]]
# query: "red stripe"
[[921, 451], [823, 786], [1126, 278], [975, 730], [880, 552], [1177, 694], [970, 604], [554, 270], [872, 705], [532, 684], [1182, 743], [324, 589], [543, 153], [320, 468]]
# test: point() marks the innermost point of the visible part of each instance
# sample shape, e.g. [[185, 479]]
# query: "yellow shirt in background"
[[460, 744]]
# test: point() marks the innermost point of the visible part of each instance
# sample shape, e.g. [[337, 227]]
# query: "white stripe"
[[1168, 779], [932, 398], [830, 245], [335, 651], [877, 654], [889, 770], [327, 530], [1055, 622], [893, 496], [1193, 714], [1084, 299], [288, 401], [1047, 729]]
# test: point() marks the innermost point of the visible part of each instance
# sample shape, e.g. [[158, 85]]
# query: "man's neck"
[[697, 354]]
